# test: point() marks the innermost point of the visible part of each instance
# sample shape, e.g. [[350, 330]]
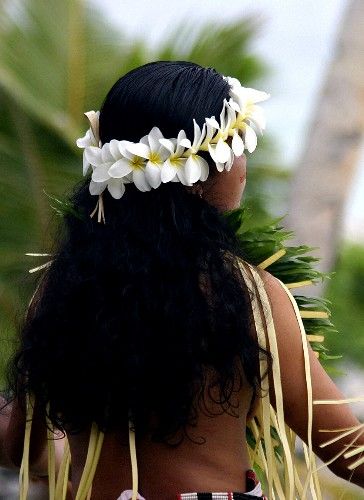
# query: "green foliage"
[[261, 242], [346, 292]]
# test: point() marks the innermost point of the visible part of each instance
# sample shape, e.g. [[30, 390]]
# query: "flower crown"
[[155, 160]]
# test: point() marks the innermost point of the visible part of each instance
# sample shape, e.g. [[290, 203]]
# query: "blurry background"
[[58, 59]]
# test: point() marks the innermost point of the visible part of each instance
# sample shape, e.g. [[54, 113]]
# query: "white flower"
[[245, 95], [91, 138], [241, 125], [130, 167], [243, 101], [175, 163], [152, 150], [222, 155], [196, 167], [101, 160], [116, 187], [218, 148]]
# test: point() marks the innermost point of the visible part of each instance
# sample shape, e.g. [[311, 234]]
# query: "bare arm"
[[12, 428], [5, 413], [294, 388]]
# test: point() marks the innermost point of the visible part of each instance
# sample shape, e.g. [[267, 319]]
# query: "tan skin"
[[219, 464]]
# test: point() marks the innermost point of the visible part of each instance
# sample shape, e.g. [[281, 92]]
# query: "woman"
[[149, 317]]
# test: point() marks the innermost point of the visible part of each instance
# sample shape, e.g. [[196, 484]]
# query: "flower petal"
[[168, 144], [196, 134], [237, 145], [257, 116], [192, 169], [139, 149], [180, 149], [163, 153], [223, 114], [120, 168], [86, 164], [153, 174], [139, 180], [222, 151], [116, 188], [210, 132], [197, 143], [106, 153], [123, 148], [204, 169], [256, 95], [168, 171], [86, 140], [153, 138], [93, 155], [182, 177], [114, 149], [181, 135], [250, 139], [186, 143], [231, 117], [232, 81], [97, 187], [213, 122], [234, 105], [220, 166], [101, 173], [93, 118], [212, 151], [230, 162]]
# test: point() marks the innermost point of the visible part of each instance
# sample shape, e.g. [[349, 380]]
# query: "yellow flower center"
[[154, 157], [137, 162], [176, 161]]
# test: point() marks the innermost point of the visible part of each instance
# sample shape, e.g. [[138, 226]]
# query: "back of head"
[[132, 313], [167, 95]]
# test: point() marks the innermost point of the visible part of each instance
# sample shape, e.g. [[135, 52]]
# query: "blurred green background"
[[57, 60]]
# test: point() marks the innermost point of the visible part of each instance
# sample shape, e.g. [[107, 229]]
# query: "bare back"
[[217, 464]]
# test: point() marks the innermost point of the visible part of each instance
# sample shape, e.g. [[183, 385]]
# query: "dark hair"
[[133, 314]]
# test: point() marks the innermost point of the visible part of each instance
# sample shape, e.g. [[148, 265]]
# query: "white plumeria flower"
[[196, 167], [102, 159], [152, 150], [220, 151], [243, 100], [91, 138], [130, 167], [243, 95], [255, 115], [175, 163], [250, 114], [222, 155]]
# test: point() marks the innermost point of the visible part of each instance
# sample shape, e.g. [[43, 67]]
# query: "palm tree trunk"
[[322, 181]]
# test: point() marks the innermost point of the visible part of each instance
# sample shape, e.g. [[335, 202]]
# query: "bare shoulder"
[[275, 291], [283, 312]]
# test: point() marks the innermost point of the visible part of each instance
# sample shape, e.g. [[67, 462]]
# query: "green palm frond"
[[295, 265]]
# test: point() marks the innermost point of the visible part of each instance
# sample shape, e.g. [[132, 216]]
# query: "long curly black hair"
[[132, 314]]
